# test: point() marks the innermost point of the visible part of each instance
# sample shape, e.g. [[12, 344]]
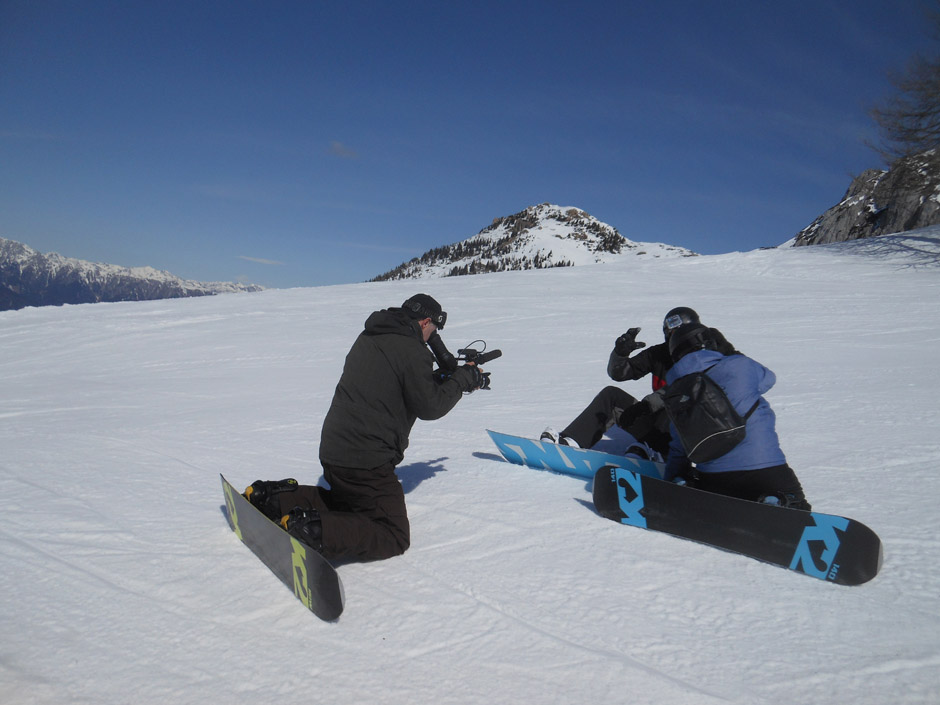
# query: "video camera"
[[478, 357], [468, 355]]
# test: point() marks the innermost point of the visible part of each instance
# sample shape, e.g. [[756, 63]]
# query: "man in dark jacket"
[[387, 383], [645, 419]]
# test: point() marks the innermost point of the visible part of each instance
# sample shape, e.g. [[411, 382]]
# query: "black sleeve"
[[621, 368], [424, 396]]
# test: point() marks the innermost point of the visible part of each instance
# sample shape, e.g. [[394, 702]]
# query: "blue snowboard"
[[825, 546], [578, 462], [631, 491]]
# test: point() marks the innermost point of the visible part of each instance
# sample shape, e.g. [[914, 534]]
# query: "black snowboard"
[[824, 546], [311, 577]]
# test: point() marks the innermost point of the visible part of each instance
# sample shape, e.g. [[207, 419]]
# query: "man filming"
[[387, 383]]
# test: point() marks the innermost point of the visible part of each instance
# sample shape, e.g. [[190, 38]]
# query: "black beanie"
[[422, 306]]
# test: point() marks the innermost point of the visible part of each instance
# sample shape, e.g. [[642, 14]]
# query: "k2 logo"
[[301, 587], [816, 553], [630, 496], [232, 512]]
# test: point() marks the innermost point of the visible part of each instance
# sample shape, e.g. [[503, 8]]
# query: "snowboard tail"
[[311, 577], [825, 546]]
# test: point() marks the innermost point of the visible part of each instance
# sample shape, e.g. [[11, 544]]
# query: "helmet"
[[689, 338], [677, 317]]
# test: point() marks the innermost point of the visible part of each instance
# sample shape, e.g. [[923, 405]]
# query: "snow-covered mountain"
[[31, 278], [539, 237]]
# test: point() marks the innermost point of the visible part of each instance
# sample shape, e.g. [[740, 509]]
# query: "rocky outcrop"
[[903, 198]]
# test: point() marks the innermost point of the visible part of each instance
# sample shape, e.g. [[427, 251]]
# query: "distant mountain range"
[[30, 278], [878, 202], [539, 237]]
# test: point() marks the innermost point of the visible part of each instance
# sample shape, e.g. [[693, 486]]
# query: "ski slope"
[[122, 581]]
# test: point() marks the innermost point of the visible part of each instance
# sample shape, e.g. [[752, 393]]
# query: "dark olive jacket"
[[386, 384]]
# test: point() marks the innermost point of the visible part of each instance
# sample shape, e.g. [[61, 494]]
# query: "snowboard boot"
[[643, 451], [305, 525], [787, 500], [261, 494], [640, 451], [552, 436]]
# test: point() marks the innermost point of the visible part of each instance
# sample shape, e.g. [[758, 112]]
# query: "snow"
[[122, 581]]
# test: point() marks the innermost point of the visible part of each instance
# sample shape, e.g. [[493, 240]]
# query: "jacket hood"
[[393, 321], [694, 362]]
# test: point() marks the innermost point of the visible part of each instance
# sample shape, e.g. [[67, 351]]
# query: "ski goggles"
[[671, 323]]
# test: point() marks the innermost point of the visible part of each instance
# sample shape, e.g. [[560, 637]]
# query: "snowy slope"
[[122, 581]]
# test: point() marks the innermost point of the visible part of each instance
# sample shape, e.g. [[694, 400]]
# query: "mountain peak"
[[538, 237]]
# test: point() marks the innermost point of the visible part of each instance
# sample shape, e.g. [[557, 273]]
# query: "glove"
[[627, 343], [630, 415], [655, 401], [470, 378]]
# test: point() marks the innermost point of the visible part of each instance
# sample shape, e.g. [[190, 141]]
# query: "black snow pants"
[[612, 406], [363, 513], [754, 484]]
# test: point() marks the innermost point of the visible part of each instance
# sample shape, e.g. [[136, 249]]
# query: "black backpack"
[[704, 418]]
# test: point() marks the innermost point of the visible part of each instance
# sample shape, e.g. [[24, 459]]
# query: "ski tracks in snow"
[[517, 630], [583, 660]]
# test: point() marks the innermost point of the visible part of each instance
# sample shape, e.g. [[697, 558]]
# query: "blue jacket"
[[744, 381]]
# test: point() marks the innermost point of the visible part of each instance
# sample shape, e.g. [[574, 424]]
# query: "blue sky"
[[300, 143]]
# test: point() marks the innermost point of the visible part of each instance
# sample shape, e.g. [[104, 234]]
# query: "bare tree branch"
[[910, 120]]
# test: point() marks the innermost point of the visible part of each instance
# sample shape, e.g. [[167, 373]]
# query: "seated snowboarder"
[[755, 469], [645, 419]]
